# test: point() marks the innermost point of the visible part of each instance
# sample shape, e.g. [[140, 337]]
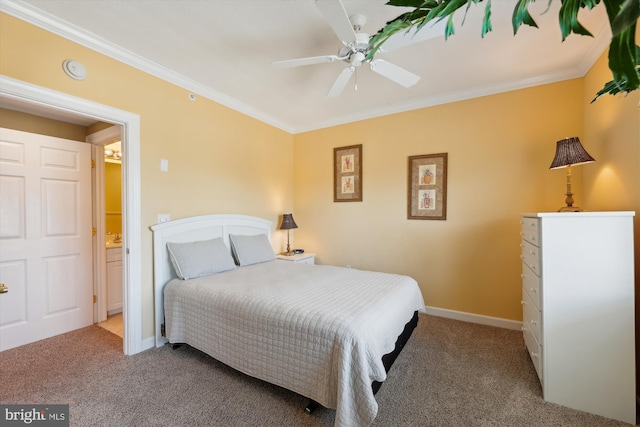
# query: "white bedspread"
[[320, 331]]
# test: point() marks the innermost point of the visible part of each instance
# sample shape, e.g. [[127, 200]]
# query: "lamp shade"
[[287, 222], [569, 151]]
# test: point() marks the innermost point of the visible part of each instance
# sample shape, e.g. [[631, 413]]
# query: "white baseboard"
[[148, 343], [474, 318]]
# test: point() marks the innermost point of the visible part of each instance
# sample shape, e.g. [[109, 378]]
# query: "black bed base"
[[387, 359]]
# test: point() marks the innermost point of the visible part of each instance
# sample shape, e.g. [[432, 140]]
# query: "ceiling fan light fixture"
[[357, 59], [354, 50]]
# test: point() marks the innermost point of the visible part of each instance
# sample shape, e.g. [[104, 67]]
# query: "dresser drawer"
[[535, 352], [531, 256], [531, 283], [530, 230], [308, 260], [531, 316]]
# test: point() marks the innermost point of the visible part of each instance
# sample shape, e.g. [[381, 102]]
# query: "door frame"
[[98, 140], [41, 97]]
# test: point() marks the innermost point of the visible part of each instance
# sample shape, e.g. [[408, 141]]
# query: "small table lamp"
[[570, 152], [287, 224]]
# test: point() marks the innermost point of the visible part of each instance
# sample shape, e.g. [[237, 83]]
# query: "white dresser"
[[578, 309]]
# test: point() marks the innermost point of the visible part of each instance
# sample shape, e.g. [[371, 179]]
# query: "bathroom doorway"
[[108, 211]]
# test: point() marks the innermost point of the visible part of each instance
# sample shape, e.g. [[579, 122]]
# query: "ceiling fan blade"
[[393, 72], [411, 36], [336, 16], [341, 82], [305, 61]]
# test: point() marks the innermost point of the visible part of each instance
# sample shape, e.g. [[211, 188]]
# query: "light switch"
[[164, 165]]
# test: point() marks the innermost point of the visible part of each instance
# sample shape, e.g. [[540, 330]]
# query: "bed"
[[327, 333]]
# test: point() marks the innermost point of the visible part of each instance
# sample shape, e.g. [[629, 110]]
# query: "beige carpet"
[[450, 373]]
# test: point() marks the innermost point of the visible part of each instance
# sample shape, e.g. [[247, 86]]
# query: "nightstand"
[[304, 258]]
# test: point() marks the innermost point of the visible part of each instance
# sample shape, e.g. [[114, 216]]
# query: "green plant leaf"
[[521, 16], [613, 88], [627, 16], [413, 3], [449, 29], [486, 20], [623, 59], [569, 19], [623, 52]]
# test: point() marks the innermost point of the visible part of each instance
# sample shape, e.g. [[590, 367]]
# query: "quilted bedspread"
[[317, 330]]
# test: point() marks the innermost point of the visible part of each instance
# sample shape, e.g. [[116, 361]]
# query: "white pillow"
[[249, 250], [195, 259]]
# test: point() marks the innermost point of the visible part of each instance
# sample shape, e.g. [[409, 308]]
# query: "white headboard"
[[193, 229]]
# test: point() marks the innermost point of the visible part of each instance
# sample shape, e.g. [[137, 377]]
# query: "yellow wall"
[[499, 151], [612, 127], [220, 161], [29, 123], [113, 197]]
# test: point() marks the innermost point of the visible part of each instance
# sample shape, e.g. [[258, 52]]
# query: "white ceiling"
[[222, 50]]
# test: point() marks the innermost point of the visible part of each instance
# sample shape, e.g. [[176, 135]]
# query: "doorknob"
[[3, 288]]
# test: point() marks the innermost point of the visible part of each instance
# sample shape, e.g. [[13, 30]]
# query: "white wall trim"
[[132, 261], [99, 221], [104, 136], [474, 318]]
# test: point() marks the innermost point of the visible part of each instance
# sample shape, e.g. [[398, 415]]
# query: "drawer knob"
[[523, 302], [534, 354], [534, 290], [533, 322]]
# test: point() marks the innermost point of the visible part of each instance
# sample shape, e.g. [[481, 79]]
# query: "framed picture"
[[427, 187], [347, 174]]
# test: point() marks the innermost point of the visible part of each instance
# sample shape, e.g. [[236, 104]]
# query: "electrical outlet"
[[163, 218]]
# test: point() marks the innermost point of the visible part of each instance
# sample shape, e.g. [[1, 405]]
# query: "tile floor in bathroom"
[[113, 324]]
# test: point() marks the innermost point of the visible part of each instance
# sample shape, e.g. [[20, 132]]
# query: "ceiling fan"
[[355, 48]]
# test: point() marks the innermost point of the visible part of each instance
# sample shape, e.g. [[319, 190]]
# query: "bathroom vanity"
[[114, 278]]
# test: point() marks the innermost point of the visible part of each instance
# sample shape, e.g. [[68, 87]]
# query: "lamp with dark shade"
[[569, 152], [288, 224]]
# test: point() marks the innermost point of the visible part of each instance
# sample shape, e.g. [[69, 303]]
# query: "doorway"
[[108, 214], [43, 101]]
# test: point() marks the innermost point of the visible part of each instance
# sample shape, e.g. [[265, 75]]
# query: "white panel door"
[[45, 237]]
